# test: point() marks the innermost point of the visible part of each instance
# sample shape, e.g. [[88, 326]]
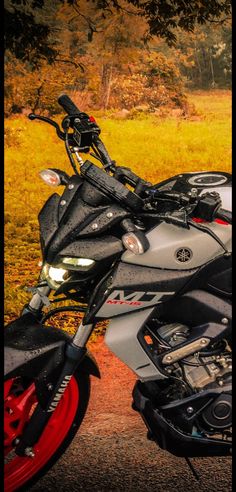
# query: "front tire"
[[20, 400]]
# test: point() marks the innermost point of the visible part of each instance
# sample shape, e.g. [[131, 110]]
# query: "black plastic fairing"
[[52, 212], [27, 333], [70, 193], [195, 308], [172, 438], [221, 282], [98, 249], [78, 217], [93, 196], [48, 220], [31, 347], [215, 276], [131, 278], [80, 221], [146, 278], [64, 219]]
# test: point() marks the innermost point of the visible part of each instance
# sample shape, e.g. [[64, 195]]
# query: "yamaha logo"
[[183, 255], [59, 393]]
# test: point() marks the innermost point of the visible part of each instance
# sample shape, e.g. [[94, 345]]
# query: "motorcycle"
[[154, 260]]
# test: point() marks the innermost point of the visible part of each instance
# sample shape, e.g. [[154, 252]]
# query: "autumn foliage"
[[103, 59]]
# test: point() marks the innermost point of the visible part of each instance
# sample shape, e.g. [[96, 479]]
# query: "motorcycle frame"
[[122, 337]]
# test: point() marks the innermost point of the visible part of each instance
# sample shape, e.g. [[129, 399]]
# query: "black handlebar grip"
[[68, 105], [225, 215]]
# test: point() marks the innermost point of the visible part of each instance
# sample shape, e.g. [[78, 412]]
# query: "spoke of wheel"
[[17, 413]]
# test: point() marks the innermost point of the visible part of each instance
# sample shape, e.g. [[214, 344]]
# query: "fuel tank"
[[172, 247]]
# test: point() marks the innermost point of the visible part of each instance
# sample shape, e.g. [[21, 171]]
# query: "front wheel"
[[20, 400]]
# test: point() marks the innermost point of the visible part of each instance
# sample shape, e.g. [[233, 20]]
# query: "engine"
[[194, 374], [200, 370]]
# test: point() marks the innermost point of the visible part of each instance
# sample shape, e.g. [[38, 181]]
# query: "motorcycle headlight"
[[54, 276], [82, 264]]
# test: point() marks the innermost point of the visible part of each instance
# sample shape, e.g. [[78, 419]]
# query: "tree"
[[27, 31], [162, 17], [36, 89], [204, 57], [102, 58]]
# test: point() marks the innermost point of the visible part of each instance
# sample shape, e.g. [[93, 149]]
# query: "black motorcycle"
[[153, 259]]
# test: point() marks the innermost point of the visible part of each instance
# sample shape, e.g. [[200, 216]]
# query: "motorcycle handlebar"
[[72, 110], [103, 152], [225, 215], [68, 105]]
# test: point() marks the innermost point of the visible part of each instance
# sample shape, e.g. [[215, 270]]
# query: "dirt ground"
[[111, 452]]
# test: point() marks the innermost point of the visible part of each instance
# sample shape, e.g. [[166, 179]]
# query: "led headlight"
[[54, 276], [82, 264]]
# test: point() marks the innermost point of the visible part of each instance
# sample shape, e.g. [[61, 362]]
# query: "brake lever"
[[60, 133]]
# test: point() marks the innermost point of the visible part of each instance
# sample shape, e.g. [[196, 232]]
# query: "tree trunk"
[[37, 98], [108, 88], [198, 65], [212, 71], [107, 73]]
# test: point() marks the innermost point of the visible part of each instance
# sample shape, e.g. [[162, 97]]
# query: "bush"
[[158, 85], [153, 82]]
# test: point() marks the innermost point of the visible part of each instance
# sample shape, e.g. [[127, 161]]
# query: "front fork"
[[74, 354]]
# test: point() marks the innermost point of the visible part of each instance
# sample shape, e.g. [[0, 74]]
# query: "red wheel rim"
[[17, 411]]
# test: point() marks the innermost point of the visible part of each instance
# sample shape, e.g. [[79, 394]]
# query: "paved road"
[[111, 452]]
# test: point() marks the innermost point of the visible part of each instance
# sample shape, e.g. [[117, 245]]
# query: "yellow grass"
[[154, 148]]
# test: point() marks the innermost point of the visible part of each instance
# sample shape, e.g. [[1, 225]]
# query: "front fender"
[[30, 347]]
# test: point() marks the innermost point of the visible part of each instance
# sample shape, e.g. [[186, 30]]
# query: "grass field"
[[154, 148]]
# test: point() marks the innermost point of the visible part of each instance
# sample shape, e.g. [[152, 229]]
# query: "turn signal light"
[[134, 243], [50, 177]]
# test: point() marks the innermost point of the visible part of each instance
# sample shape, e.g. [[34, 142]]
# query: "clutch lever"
[[60, 133]]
